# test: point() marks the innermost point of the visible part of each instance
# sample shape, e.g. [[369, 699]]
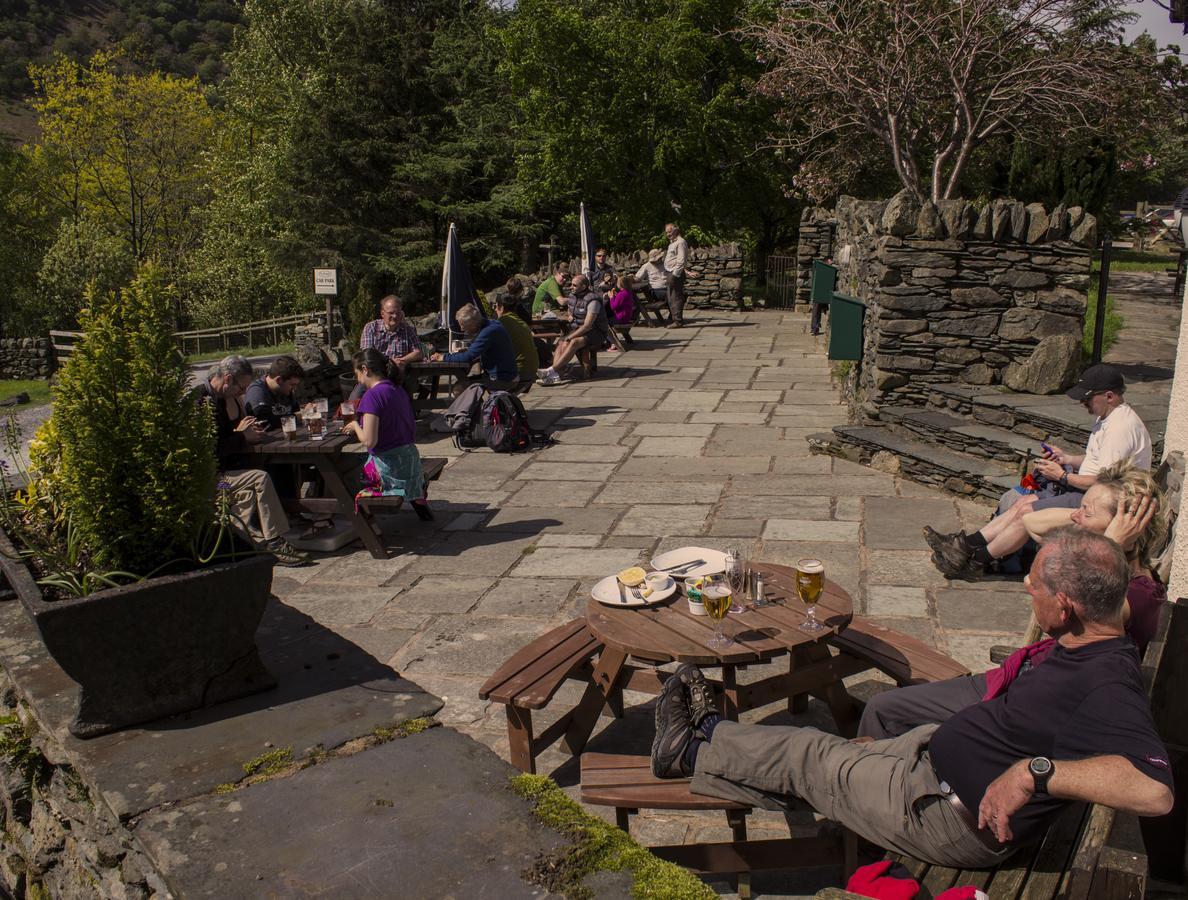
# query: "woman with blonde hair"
[[1126, 505]]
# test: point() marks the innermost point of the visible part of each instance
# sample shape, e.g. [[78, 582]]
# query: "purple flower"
[[224, 485]]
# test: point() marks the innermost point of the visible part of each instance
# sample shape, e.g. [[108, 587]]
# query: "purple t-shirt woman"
[[392, 406]]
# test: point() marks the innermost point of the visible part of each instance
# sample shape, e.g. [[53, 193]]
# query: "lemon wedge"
[[631, 577]]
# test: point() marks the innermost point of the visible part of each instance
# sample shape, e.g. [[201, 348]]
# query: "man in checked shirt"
[[393, 336]]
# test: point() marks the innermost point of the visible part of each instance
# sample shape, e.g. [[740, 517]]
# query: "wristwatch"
[[1041, 769], [1063, 482]]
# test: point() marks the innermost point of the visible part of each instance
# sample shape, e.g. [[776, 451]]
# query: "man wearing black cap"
[[1118, 435]]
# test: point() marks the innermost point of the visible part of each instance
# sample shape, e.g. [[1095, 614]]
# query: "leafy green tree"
[[646, 111], [27, 230], [124, 151], [85, 256], [361, 130], [137, 464]]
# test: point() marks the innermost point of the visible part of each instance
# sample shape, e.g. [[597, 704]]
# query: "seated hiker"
[[515, 299], [386, 426], [548, 298], [602, 273], [622, 306], [490, 345], [255, 505], [393, 336], [520, 332], [271, 397], [1126, 506], [992, 777], [654, 277], [1118, 435], [591, 329]]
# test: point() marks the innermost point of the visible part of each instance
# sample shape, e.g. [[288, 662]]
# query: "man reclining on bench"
[[990, 779]]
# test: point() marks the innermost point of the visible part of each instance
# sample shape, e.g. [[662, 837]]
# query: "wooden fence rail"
[[240, 336]]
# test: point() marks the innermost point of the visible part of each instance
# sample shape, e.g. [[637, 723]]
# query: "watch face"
[[1041, 765]]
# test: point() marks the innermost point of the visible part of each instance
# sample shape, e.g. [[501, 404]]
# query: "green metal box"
[[845, 327], [823, 283]]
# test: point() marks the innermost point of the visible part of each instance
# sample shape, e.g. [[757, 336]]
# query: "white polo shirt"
[[1119, 437]]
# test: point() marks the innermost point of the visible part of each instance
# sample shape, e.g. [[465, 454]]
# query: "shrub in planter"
[[136, 470], [142, 599]]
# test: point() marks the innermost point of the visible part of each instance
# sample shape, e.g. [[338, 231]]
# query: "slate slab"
[[425, 816]]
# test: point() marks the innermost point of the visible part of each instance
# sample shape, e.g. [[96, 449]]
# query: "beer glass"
[[735, 573], [348, 412], [289, 427], [715, 597], [810, 581]]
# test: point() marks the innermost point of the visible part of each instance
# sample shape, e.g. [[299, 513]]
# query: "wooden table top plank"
[[668, 631], [275, 444]]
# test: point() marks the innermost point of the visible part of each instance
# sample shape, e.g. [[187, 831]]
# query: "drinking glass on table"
[[736, 575], [289, 427], [715, 597], [347, 408], [810, 581]]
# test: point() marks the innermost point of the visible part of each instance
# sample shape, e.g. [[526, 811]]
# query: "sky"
[[1153, 19]]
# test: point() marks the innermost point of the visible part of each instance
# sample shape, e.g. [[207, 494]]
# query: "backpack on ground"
[[465, 418], [505, 425]]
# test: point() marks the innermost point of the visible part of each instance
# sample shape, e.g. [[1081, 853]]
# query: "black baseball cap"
[[1096, 379]]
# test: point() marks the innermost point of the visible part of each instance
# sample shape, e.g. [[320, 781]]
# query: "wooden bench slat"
[[627, 782], [534, 685], [535, 672], [899, 655]]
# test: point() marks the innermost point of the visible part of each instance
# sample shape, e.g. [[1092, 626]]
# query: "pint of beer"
[[810, 581], [289, 427]]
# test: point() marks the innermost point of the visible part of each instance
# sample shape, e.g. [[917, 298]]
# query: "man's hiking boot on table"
[[701, 695], [286, 554], [674, 731]]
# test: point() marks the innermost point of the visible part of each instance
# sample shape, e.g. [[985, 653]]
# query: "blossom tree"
[[927, 82]]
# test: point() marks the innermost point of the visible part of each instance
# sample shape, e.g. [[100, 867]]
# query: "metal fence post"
[[1103, 288]]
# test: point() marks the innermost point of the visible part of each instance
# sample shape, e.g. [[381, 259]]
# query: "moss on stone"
[[269, 763], [599, 846], [385, 733]]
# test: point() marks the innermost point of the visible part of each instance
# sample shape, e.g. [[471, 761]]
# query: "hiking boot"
[[701, 695], [674, 731], [550, 377], [936, 539], [950, 549], [286, 554], [970, 570]]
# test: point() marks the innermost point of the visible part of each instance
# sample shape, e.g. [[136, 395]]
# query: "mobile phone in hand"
[[1048, 450]]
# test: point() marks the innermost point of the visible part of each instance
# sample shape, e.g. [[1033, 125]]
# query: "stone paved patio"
[[695, 436]]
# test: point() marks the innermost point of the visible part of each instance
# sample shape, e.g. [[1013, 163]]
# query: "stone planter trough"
[[157, 648]]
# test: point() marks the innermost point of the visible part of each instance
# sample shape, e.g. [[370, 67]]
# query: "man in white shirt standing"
[[1118, 435], [674, 264]]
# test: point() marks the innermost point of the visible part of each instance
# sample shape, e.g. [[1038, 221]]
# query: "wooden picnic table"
[[328, 458], [428, 375], [668, 632]]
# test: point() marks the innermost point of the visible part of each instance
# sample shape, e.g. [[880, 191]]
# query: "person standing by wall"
[[675, 259]]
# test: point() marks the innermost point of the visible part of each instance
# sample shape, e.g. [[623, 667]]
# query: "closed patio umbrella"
[[587, 240], [457, 287]]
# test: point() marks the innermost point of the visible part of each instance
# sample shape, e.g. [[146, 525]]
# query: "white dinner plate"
[[715, 561], [607, 591]]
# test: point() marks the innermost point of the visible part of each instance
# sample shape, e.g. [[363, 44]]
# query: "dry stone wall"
[[715, 274], [958, 293], [25, 358], [815, 242]]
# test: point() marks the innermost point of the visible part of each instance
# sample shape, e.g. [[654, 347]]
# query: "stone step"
[[960, 433], [923, 462], [1043, 417]]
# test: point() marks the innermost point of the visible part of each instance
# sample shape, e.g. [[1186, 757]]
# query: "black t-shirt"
[[261, 402], [1080, 703]]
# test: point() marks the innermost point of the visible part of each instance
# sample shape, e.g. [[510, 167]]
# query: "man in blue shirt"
[[490, 344]]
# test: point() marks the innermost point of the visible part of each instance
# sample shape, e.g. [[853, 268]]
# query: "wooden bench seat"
[[627, 784], [530, 678], [902, 657], [431, 469]]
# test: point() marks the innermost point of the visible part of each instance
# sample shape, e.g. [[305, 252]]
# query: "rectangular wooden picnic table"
[[428, 376], [327, 457]]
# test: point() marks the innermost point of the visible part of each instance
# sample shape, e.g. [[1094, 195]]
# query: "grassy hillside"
[[186, 37]]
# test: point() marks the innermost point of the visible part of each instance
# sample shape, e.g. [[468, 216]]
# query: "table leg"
[[360, 519], [797, 703], [841, 704], [730, 704], [603, 685]]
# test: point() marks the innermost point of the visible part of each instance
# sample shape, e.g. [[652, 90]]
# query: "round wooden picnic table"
[[668, 632]]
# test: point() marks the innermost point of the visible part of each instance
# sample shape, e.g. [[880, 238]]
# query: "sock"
[[690, 757], [974, 541], [708, 724], [982, 555]]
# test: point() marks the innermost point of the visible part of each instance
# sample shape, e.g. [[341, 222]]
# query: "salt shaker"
[[758, 599]]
